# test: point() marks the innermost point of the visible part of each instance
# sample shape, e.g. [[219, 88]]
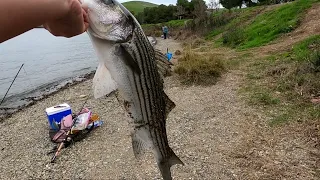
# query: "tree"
[[140, 17], [159, 14], [200, 5], [228, 4], [186, 6], [199, 11], [181, 11], [183, 3]]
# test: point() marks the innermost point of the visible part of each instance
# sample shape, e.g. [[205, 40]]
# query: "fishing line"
[[33, 87], [11, 85]]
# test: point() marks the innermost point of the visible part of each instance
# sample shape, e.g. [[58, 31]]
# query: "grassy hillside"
[[253, 27], [138, 6]]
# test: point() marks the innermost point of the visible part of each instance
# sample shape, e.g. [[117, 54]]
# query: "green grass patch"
[[175, 23], [253, 76], [170, 24], [137, 6], [233, 37], [199, 68], [280, 119], [263, 97], [304, 49], [214, 33]]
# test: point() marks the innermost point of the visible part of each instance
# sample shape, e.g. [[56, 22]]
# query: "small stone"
[[83, 96], [178, 52]]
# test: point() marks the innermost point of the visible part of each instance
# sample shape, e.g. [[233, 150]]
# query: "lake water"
[[46, 59]]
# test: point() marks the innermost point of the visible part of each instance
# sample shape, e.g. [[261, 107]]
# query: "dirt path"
[[208, 130]]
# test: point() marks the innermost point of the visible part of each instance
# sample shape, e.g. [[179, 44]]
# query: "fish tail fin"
[[165, 165]]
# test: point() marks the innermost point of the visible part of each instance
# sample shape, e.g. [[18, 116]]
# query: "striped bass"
[[127, 64]]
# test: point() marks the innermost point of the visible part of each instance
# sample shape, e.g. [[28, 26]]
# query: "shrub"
[[233, 37], [199, 68]]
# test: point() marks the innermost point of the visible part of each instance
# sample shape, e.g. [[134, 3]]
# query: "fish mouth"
[[108, 21]]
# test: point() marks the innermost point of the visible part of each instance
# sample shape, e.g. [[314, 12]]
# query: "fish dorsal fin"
[[124, 50], [103, 84], [140, 141], [169, 104]]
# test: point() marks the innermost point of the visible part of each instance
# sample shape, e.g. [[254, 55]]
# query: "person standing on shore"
[[165, 32], [65, 18]]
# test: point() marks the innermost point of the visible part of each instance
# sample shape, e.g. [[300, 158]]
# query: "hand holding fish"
[[73, 23], [60, 17]]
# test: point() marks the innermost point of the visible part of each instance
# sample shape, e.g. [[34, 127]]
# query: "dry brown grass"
[[199, 68], [287, 152], [286, 145]]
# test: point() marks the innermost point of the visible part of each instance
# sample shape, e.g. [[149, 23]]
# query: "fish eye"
[[107, 2]]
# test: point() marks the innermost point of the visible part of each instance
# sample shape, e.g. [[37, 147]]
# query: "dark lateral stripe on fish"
[[156, 92], [160, 114], [162, 106], [148, 95], [154, 77], [160, 139], [144, 114], [143, 84], [146, 68], [138, 94], [142, 98]]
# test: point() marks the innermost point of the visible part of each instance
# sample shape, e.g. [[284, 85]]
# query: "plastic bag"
[[82, 121]]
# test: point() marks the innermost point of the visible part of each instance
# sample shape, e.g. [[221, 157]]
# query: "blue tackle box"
[[56, 113]]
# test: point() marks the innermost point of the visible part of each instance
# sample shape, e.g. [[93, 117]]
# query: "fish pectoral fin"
[[169, 104], [166, 164], [103, 84], [140, 142], [124, 50]]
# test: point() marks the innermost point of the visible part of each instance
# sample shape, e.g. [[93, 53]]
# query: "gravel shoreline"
[[212, 130], [193, 131]]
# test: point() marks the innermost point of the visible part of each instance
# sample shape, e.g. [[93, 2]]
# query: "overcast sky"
[[165, 2]]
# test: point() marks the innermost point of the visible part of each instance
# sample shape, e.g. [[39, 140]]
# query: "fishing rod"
[[11, 85]]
